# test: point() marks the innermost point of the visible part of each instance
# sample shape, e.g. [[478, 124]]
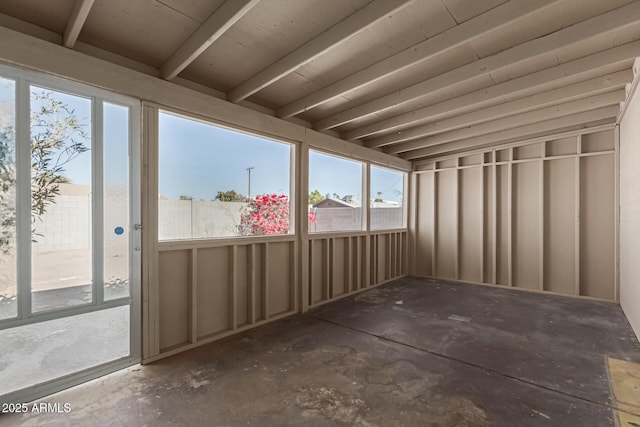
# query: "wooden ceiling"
[[413, 78]]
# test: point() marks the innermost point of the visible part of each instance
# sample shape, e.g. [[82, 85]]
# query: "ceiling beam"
[[342, 31], [600, 25], [580, 119], [76, 21], [607, 61], [439, 44], [517, 120], [210, 31], [397, 141]]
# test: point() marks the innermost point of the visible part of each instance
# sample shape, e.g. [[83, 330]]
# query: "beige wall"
[[630, 212], [537, 216]]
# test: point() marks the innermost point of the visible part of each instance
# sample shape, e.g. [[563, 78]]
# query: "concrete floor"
[[43, 351], [414, 352]]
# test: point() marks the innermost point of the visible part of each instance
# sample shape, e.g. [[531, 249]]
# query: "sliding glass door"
[[69, 233]]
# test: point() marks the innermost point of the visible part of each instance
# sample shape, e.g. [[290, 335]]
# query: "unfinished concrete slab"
[[412, 352]]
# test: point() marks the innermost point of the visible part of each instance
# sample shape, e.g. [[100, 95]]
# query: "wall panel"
[[470, 224], [560, 218], [243, 275], [446, 224], [381, 257], [257, 269], [279, 277], [537, 216], [317, 270], [597, 233], [175, 276], [526, 225], [424, 225], [213, 291], [503, 212], [488, 235], [340, 266]]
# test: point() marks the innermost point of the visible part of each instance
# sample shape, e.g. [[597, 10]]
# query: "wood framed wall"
[[536, 215], [343, 264]]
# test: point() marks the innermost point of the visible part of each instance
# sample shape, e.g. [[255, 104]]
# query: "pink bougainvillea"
[[267, 214], [312, 217]]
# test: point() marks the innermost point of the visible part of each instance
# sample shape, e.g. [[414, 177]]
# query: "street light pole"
[[249, 169]]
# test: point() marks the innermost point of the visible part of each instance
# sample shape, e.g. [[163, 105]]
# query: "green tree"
[[57, 137], [315, 197], [230, 196], [379, 198]]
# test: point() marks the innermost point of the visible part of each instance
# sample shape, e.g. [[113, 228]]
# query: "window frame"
[[220, 240], [405, 205], [363, 188]]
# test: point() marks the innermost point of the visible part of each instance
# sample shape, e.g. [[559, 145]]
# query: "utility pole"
[[249, 169]]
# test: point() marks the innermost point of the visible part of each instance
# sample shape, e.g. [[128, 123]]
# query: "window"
[[335, 193], [215, 182], [8, 266], [386, 198]]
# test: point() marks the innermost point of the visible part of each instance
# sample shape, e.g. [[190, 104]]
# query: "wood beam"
[[76, 21], [598, 64], [342, 31], [534, 102], [598, 26], [518, 120], [562, 123], [439, 44], [513, 113], [210, 31]]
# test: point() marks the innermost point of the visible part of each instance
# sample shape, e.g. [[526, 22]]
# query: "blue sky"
[[198, 160]]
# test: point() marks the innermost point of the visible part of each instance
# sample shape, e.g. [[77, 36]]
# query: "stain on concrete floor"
[[359, 361]]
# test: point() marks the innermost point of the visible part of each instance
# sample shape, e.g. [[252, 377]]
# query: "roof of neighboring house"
[[385, 204], [345, 202]]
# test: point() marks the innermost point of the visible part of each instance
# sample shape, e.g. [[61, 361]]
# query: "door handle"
[[137, 227]]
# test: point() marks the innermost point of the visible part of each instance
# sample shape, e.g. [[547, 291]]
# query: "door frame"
[[23, 79]]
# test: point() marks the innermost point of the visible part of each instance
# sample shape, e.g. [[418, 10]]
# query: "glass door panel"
[[8, 266], [117, 230], [61, 200]]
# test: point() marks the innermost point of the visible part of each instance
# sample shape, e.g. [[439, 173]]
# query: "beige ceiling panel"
[[143, 30], [587, 47], [524, 67], [477, 83], [198, 10], [543, 22], [52, 15], [283, 91], [403, 29], [267, 33], [439, 64], [463, 10]]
